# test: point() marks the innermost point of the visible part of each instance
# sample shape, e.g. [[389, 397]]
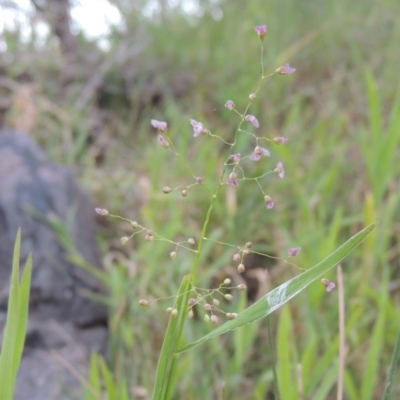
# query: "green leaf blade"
[[9, 347], [166, 363]]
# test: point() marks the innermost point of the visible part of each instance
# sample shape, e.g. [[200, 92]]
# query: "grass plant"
[[13, 337], [341, 115], [234, 171]]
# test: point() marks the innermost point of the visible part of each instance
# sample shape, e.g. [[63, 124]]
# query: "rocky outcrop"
[[64, 325]]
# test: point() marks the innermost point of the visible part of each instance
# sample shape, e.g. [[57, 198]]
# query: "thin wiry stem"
[[300, 386], [342, 344]]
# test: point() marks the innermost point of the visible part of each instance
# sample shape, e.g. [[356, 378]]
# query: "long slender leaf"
[[9, 338], [392, 370], [375, 346], [166, 363], [109, 384], [283, 293], [14, 332], [284, 355], [24, 290]]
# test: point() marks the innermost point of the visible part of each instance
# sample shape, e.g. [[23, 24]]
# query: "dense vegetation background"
[[89, 107]]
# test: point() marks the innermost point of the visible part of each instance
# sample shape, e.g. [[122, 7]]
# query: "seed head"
[[215, 302], [174, 313], [191, 241], [230, 105], [235, 158], [236, 257], [206, 318], [198, 128], [245, 252], [149, 238], [249, 245], [294, 251], [242, 286], [268, 202], [227, 281], [124, 239], [228, 296], [134, 224], [214, 319], [258, 152], [328, 284], [252, 96], [169, 310], [241, 268], [207, 307], [184, 193], [172, 255], [143, 302], [199, 180], [281, 140], [166, 189], [192, 301], [285, 70], [232, 179], [162, 141], [261, 31], [279, 169], [190, 314], [101, 211], [230, 316], [253, 120], [160, 125]]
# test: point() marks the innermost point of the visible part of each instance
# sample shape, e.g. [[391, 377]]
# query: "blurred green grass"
[[341, 113]]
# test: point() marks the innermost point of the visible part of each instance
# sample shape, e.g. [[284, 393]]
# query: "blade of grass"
[[376, 343], [94, 379], [111, 389], [283, 354], [15, 328], [392, 369], [273, 359], [167, 361], [7, 358], [283, 293], [23, 311]]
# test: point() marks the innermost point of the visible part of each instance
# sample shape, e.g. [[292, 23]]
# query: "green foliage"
[[102, 384], [14, 331], [341, 114]]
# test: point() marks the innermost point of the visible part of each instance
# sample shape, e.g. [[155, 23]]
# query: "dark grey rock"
[[62, 322]]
